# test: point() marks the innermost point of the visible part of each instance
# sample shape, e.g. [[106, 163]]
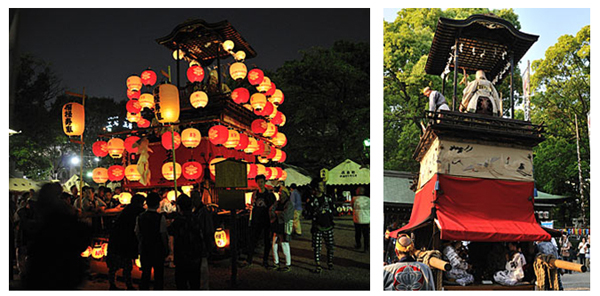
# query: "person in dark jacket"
[[260, 222], [321, 211], [123, 243], [205, 217], [282, 218], [151, 231]]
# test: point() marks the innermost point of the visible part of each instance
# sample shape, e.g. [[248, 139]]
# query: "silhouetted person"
[[260, 222], [151, 230]]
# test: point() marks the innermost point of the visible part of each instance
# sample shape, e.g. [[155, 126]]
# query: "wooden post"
[[436, 262], [512, 73], [81, 161], [455, 74], [567, 265]]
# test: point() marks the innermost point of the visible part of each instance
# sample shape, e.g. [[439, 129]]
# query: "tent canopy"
[[22, 185], [295, 177], [349, 173], [472, 209]]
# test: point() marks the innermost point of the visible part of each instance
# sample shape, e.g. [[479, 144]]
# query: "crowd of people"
[[161, 232]]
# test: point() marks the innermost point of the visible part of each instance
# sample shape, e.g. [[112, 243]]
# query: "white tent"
[[349, 173], [295, 177], [74, 180], [22, 185]]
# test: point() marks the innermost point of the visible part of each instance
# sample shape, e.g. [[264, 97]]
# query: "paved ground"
[[576, 281], [351, 270]]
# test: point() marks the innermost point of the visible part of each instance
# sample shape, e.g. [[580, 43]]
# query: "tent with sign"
[[74, 180], [349, 173], [22, 185]]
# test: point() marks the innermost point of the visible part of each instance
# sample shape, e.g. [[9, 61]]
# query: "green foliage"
[[326, 105]]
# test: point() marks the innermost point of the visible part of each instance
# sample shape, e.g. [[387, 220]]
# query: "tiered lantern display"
[[167, 171], [191, 137], [115, 147], [73, 119]]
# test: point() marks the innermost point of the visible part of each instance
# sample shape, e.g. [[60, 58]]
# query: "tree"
[[406, 46], [562, 84], [326, 105]]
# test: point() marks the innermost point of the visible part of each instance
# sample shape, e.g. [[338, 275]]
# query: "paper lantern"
[[133, 117], [172, 195], [283, 156], [100, 175], [240, 95], [252, 146], [218, 134], [232, 140], [115, 147], [280, 140], [278, 155], [271, 130], [148, 77], [191, 137], [143, 123], [255, 76], [133, 106], [260, 149], [97, 252], [266, 110], [277, 97], [221, 238], [271, 90], [73, 119], [272, 153], [271, 115], [192, 170], [283, 176], [271, 173], [116, 173], [167, 141], [134, 83], [261, 170], [251, 170], [258, 101], [146, 100], [128, 143], [125, 198], [199, 99], [167, 171], [132, 173], [167, 103], [278, 118], [279, 173], [238, 71], [212, 163], [178, 54], [243, 143], [99, 148], [259, 126], [228, 45], [133, 94], [265, 85], [240, 55], [195, 73], [282, 120], [263, 159]]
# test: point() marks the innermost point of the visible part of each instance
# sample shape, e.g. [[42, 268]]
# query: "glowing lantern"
[[283, 176], [105, 249], [282, 120], [134, 83], [279, 173], [167, 142], [271, 115], [143, 123], [283, 156], [267, 110], [258, 101], [252, 146], [148, 77], [115, 147], [271, 90], [116, 173], [278, 155], [99, 149], [243, 143], [232, 140], [265, 85], [199, 99], [100, 175], [133, 106], [240, 55], [134, 117], [278, 118], [133, 94], [272, 153], [178, 54], [218, 134], [128, 143], [259, 126], [191, 137], [193, 63], [260, 149], [271, 173], [125, 198], [146, 100], [221, 238], [280, 140], [132, 174], [271, 130], [212, 164], [240, 95], [195, 73], [172, 195], [261, 170], [138, 262], [73, 119], [87, 252], [238, 71], [97, 252], [251, 170], [277, 97], [255, 76], [167, 103], [263, 160], [167, 171], [228, 45], [192, 170]]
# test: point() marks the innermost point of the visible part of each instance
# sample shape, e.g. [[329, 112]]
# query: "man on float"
[[480, 96], [437, 101], [407, 274]]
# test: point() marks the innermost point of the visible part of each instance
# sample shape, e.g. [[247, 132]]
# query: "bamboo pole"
[[436, 262], [556, 263], [81, 158]]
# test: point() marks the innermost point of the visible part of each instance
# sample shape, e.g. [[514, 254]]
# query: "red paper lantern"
[[99, 149], [259, 126], [240, 95], [191, 137], [116, 173], [283, 156], [243, 143], [277, 97], [232, 140], [252, 146], [148, 77], [195, 73], [100, 175], [129, 141], [278, 118], [260, 149], [280, 140], [192, 170], [167, 142], [266, 110], [268, 173], [143, 123], [279, 173], [272, 154], [218, 134], [251, 170], [255, 76], [133, 94], [133, 106], [271, 130], [271, 90]]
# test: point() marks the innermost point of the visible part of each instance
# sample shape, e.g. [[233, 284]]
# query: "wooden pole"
[[81, 160], [454, 94], [174, 162], [436, 262], [555, 263], [512, 73]]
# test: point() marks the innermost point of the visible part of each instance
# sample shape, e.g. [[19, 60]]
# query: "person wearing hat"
[[480, 96], [407, 274], [437, 101]]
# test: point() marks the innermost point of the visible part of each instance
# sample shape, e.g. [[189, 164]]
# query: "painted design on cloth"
[[408, 278]]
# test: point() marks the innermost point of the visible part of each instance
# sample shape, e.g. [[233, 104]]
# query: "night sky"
[[99, 48]]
